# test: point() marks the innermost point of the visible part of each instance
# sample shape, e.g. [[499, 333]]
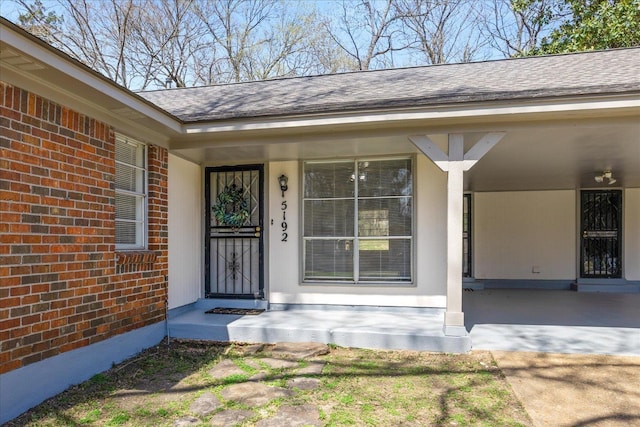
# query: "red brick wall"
[[62, 283]]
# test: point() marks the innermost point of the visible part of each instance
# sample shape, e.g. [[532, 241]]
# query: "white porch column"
[[455, 163], [453, 316]]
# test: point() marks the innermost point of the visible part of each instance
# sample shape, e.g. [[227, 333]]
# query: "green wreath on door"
[[230, 207]]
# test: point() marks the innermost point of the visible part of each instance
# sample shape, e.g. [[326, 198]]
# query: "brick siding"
[[62, 283]]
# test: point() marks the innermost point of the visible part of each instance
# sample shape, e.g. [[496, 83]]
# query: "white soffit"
[[19, 61]]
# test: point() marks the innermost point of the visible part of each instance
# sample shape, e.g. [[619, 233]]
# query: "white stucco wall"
[[284, 278], [632, 233], [284, 257], [185, 231], [518, 233]]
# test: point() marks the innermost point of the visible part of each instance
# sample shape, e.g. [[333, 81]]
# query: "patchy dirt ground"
[[194, 383], [573, 389]]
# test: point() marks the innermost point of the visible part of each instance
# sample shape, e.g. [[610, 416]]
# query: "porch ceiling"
[[561, 154]]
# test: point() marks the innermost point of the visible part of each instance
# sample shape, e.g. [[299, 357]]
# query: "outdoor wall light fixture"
[[606, 175], [282, 180]]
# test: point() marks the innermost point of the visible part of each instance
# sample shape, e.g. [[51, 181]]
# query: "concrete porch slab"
[[376, 329], [553, 321]]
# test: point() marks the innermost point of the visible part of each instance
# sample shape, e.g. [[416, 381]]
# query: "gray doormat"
[[237, 311]]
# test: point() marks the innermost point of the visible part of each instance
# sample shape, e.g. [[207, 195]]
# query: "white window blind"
[[357, 220], [131, 193]]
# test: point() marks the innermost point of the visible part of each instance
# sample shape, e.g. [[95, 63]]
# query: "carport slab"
[[553, 321]]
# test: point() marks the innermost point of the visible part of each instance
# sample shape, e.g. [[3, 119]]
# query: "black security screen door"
[[466, 236], [234, 245], [601, 226]]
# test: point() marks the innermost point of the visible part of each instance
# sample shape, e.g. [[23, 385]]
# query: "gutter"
[[459, 110]]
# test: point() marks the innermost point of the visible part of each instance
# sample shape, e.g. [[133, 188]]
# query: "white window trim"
[[355, 238], [143, 244]]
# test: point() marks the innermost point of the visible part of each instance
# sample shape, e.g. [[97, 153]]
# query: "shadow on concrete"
[[551, 307], [553, 321]]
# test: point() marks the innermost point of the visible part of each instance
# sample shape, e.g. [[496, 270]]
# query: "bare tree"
[[96, 33], [167, 42], [368, 31], [441, 31], [278, 53], [144, 44], [515, 27], [150, 43], [255, 39], [323, 54]]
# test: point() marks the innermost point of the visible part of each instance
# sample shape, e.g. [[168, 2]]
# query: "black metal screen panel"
[[466, 236], [601, 226], [234, 252]]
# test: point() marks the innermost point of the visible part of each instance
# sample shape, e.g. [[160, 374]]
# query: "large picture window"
[[131, 193], [357, 217]]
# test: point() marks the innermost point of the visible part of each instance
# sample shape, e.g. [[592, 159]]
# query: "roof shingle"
[[588, 73]]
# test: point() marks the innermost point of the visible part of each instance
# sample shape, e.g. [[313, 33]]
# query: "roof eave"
[[63, 79], [626, 103]]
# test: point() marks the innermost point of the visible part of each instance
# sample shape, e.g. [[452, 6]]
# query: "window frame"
[[142, 236], [356, 238]]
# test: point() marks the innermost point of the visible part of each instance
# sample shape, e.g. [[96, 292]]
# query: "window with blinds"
[[357, 220], [131, 192]]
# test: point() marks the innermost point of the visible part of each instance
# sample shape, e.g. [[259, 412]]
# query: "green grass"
[[118, 419], [99, 379], [358, 387], [234, 379], [90, 417]]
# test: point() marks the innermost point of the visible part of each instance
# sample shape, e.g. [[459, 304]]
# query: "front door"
[[601, 227], [234, 245]]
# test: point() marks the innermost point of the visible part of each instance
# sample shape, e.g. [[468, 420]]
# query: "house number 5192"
[[283, 225]]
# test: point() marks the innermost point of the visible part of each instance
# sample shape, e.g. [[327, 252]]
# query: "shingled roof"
[[578, 74]]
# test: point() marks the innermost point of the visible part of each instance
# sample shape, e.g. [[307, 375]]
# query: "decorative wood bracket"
[[470, 158]]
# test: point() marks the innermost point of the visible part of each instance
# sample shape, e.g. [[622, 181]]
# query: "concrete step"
[[376, 329]]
